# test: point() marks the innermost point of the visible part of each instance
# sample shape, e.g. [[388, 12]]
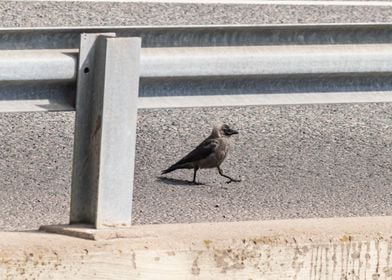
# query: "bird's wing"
[[206, 148]]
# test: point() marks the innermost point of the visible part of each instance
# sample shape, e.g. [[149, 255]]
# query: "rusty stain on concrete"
[[326, 262], [388, 272], [360, 262], [377, 245], [389, 251], [343, 255], [244, 256], [207, 243], [195, 265], [345, 238], [311, 262], [239, 256], [298, 262], [134, 260], [334, 259], [375, 276]]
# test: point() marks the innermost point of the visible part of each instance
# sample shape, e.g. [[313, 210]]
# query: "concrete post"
[[105, 130]]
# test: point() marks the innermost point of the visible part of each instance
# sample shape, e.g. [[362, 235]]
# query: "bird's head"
[[223, 130]]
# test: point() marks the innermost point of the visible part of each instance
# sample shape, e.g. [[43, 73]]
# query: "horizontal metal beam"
[[268, 62], [41, 105], [37, 97], [263, 99], [202, 36], [50, 65], [38, 65]]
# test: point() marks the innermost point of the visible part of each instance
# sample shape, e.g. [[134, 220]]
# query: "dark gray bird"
[[209, 154]]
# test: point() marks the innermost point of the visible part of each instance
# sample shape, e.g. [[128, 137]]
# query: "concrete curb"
[[342, 248]]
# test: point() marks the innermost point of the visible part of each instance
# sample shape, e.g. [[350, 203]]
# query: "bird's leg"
[[194, 175], [228, 177]]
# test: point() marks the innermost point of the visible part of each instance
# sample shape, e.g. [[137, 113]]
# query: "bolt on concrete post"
[[105, 130]]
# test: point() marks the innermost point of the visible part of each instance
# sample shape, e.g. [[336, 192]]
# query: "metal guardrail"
[[248, 65], [99, 70]]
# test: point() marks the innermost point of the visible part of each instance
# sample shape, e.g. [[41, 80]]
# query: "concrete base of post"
[[337, 248], [91, 233]]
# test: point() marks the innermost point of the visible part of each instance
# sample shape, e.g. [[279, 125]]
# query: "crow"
[[209, 154]]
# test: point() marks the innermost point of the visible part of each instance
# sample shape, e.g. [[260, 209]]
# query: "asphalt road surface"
[[294, 161]]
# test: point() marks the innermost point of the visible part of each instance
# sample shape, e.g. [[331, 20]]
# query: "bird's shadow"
[[177, 182]]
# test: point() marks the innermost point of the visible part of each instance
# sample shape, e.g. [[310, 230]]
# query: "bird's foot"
[[233, 180], [197, 183]]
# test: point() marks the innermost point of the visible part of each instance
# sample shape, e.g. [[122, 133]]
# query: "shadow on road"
[[172, 181]]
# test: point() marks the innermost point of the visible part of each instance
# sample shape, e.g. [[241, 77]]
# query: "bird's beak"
[[231, 131]]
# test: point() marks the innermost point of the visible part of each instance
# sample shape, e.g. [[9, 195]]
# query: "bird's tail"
[[170, 169]]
